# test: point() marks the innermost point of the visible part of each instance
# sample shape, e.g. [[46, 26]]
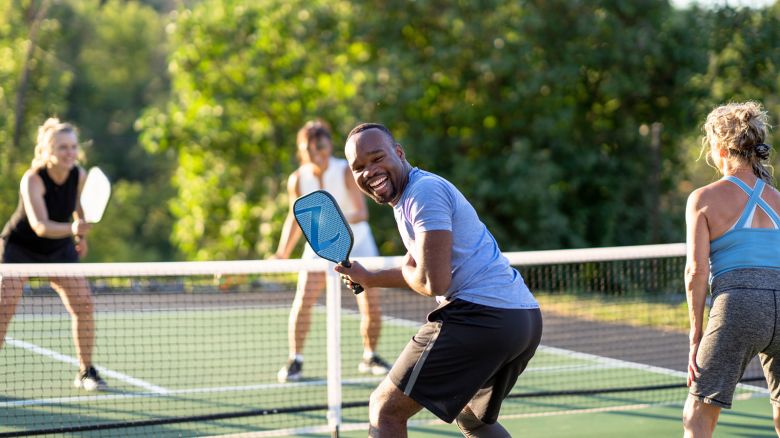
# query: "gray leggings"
[[743, 322]]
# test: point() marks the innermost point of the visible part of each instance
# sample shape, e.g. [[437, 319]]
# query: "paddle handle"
[[356, 288]]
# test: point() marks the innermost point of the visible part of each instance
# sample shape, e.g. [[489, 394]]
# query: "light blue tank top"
[[745, 247]]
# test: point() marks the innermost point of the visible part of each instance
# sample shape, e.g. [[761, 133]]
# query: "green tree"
[[565, 122], [743, 64], [245, 76], [117, 49], [537, 109], [32, 84], [96, 64]]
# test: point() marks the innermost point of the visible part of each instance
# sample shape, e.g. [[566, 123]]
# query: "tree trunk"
[[24, 79]]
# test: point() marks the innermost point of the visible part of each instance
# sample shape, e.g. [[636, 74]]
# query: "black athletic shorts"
[[13, 253], [467, 354]]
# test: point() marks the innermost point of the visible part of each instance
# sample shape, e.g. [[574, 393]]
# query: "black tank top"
[[60, 204]]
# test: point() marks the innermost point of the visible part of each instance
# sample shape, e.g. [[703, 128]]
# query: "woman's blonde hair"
[[741, 129], [46, 132]]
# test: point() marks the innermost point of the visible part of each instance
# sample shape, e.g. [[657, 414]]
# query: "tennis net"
[[193, 348]]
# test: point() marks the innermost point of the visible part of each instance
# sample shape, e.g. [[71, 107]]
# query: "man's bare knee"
[[390, 406], [473, 427], [380, 403]]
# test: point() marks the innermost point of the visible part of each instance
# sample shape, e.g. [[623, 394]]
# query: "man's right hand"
[[355, 273]]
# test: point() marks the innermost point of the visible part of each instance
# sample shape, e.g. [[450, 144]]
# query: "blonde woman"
[[48, 227], [733, 250], [320, 170]]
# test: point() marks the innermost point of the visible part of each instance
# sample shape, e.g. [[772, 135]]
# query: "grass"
[[630, 310]]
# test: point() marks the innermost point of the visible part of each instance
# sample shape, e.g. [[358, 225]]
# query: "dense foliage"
[[566, 123], [96, 64]]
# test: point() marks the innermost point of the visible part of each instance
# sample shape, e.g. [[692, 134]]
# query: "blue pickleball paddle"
[[325, 228]]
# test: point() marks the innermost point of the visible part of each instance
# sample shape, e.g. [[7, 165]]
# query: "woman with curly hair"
[[733, 249]]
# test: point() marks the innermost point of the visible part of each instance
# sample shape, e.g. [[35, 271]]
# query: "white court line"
[[570, 368], [257, 387], [605, 362], [430, 422], [633, 365], [435, 421], [73, 361], [290, 385], [162, 311], [601, 363], [178, 392]]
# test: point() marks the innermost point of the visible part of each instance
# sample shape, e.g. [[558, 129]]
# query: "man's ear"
[[399, 150]]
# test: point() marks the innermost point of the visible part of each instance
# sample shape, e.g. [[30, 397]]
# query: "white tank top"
[[332, 181]]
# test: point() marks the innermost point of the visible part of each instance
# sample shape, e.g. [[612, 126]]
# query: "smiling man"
[[464, 361]]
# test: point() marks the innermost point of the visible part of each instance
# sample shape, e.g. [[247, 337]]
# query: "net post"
[[333, 310]]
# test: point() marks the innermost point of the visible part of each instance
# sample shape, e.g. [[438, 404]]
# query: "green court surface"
[[189, 362], [749, 418]]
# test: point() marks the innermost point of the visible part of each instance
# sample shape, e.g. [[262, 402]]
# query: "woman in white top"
[[320, 170]]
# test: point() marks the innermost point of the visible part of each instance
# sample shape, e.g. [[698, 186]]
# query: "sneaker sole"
[[285, 379], [88, 385], [363, 369]]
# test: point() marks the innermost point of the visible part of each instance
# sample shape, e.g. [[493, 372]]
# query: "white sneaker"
[[89, 380], [375, 366], [292, 372]]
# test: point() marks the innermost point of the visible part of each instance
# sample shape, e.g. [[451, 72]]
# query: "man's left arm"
[[431, 275]]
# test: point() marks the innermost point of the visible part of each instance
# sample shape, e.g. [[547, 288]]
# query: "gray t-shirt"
[[480, 273]]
